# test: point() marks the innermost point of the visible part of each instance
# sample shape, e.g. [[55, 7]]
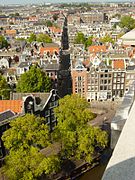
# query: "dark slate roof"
[[6, 115], [43, 96], [24, 64], [131, 68], [51, 66], [102, 65]]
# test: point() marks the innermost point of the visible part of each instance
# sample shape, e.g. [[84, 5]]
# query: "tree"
[[88, 41], [106, 39], [32, 38], [49, 23], [55, 17], [23, 141], [127, 23], [3, 42], [25, 132], [34, 80], [4, 88], [44, 38], [80, 38], [17, 14], [90, 138], [76, 137]]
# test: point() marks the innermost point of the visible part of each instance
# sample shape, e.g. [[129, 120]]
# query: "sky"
[[5, 2]]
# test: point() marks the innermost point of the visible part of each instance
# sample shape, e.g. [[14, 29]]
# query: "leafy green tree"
[[32, 38], [90, 138], [26, 131], [4, 88], [80, 38], [3, 42], [49, 23], [17, 14], [107, 39], [44, 38], [127, 23], [88, 41], [34, 80], [24, 140], [76, 137]]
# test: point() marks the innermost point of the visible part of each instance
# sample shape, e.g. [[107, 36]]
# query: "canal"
[[94, 174], [97, 172]]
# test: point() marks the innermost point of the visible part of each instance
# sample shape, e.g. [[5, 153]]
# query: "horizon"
[[25, 2]]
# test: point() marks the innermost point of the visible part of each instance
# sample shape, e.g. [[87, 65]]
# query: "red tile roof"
[[96, 49], [51, 50], [55, 30], [13, 105], [11, 32], [118, 64]]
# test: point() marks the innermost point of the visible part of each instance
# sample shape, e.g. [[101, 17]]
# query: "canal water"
[[94, 174], [97, 172]]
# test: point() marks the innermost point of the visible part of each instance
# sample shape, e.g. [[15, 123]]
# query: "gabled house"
[[4, 63], [52, 71], [39, 104], [119, 76], [50, 53], [23, 67]]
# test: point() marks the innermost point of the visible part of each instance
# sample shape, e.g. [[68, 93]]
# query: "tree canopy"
[[29, 134], [3, 42], [34, 80], [127, 22], [107, 39], [88, 41], [4, 88], [44, 38], [49, 23], [76, 137], [81, 39], [32, 38], [24, 140], [39, 38]]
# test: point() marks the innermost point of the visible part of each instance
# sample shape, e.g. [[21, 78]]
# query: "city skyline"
[[9, 2]]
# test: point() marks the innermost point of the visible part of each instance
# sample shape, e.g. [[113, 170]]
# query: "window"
[[47, 119], [101, 75], [109, 87], [122, 86], [115, 74], [47, 113], [119, 74], [79, 78], [102, 81], [101, 87], [114, 86], [118, 86], [123, 75]]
